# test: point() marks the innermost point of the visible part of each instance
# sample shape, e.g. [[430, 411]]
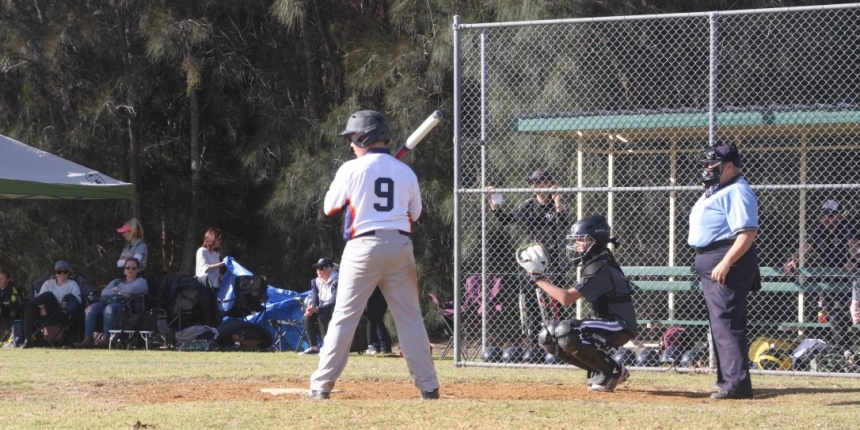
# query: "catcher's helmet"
[[625, 356], [648, 357], [493, 354], [513, 354], [692, 359], [369, 127], [592, 227]]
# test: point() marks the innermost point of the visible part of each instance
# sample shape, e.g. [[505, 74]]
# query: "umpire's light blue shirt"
[[728, 211]]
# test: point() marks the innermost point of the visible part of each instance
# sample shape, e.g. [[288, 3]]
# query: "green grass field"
[[84, 389]]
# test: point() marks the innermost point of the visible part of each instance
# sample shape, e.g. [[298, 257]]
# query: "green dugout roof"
[[690, 122]]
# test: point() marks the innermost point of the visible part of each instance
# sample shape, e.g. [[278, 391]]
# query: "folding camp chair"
[[445, 311], [474, 309], [286, 328], [129, 325], [56, 328]]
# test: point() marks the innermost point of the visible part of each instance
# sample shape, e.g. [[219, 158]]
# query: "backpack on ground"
[[241, 335]]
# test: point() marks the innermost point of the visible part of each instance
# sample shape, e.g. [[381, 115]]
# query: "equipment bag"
[[241, 335]]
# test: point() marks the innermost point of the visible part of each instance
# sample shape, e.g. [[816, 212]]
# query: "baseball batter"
[[380, 199], [584, 343]]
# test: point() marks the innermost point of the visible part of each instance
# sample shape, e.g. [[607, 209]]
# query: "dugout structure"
[[618, 110]]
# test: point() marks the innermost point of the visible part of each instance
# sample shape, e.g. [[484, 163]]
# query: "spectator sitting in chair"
[[53, 296], [320, 303], [113, 297], [10, 301]]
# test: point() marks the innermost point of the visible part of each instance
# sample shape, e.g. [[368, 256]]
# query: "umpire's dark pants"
[[727, 313]]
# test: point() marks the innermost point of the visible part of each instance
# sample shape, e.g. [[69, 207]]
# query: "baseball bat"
[[524, 326], [542, 305], [419, 134]]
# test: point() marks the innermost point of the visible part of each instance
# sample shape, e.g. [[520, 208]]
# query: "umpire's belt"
[[373, 233], [715, 245]]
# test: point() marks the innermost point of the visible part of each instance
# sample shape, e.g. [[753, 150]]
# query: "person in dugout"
[[585, 343]]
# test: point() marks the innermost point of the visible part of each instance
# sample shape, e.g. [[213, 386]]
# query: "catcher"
[[584, 343]]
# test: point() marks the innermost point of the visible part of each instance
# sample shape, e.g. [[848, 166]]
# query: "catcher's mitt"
[[534, 259]]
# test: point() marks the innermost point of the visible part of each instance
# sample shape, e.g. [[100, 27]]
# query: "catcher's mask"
[[593, 229], [712, 159], [369, 127]]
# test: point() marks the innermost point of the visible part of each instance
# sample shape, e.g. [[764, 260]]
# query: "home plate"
[[276, 391]]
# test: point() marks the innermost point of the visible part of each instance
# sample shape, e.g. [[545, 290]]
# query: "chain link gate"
[[617, 110]]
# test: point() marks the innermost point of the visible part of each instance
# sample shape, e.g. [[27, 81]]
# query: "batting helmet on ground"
[[513, 354], [493, 354], [648, 357]]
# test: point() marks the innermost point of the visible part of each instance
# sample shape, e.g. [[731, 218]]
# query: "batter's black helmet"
[[493, 354], [369, 127], [594, 227], [648, 357], [513, 354], [625, 356]]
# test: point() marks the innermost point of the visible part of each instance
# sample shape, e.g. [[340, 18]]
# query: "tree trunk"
[[188, 253], [312, 95]]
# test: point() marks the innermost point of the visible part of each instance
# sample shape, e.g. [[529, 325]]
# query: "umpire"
[[723, 226]]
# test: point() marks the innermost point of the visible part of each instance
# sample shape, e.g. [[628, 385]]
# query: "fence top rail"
[[653, 189], [652, 16]]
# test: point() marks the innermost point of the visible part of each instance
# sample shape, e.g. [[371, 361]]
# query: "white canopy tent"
[[28, 173]]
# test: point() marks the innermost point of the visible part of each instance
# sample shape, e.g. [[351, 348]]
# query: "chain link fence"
[[616, 112]]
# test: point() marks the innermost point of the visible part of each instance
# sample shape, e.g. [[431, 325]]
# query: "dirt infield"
[[376, 390]]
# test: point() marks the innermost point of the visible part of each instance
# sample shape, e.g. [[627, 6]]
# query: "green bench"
[[678, 279]]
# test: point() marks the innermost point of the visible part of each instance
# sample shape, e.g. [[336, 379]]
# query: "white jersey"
[[378, 192]]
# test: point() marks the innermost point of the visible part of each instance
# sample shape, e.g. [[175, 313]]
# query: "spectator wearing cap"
[[834, 243], [545, 218], [320, 303], [57, 292], [723, 227], [135, 247]]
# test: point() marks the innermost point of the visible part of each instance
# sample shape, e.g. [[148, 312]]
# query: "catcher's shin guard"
[[597, 359], [547, 339], [571, 359], [568, 335]]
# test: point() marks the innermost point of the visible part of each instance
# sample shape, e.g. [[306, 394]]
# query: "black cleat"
[[430, 395]]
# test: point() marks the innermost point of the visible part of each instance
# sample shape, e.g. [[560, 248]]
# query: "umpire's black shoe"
[[317, 395], [730, 395], [430, 395]]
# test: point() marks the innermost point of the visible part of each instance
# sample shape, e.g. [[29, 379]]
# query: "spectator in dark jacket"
[[10, 300]]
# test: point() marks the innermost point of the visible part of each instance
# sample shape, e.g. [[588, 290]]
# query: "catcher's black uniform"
[[584, 343]]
